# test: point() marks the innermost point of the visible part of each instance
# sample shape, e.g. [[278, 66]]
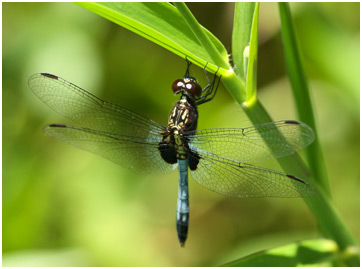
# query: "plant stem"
[[301, 94]]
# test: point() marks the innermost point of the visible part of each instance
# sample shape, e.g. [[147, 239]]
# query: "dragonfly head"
[[188, 86]]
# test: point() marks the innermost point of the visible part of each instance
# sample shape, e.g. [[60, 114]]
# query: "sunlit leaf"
[[318, 252], [163, 24], [251, 76], [243, 19]]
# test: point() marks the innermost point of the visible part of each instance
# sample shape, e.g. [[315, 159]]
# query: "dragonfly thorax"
[[183, 115]]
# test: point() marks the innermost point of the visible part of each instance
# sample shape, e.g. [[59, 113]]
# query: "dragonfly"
[[218, 158]]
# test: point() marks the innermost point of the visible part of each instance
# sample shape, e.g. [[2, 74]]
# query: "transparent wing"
[[137, 154], [238, 179], [255, 143], [88, 110]]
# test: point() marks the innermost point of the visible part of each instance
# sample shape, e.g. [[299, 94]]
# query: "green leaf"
[[243, 19], [201, 34], [251, 75], [318, 252], [163, 24], [245, 47]]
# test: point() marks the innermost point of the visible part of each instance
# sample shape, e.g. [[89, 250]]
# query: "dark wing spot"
[[296, 178], [57, 125], [49, 75], [292, 122]]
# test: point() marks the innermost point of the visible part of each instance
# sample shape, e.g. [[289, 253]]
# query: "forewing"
[[255, 143], [88, 110], [238, 179], [137, 154]]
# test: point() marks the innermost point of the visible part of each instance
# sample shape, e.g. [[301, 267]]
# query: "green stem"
[[301, 95], [235, 86]]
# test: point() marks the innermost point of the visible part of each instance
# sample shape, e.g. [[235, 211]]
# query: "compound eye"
[[194, 89], [177, 85]]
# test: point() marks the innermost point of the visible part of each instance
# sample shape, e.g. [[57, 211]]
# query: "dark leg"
[[187, 74], [210, 90]]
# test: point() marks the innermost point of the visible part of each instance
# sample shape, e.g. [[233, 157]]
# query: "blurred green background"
[[66, 207]]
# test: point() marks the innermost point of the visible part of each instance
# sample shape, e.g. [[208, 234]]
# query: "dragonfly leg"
[[208, 93]]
